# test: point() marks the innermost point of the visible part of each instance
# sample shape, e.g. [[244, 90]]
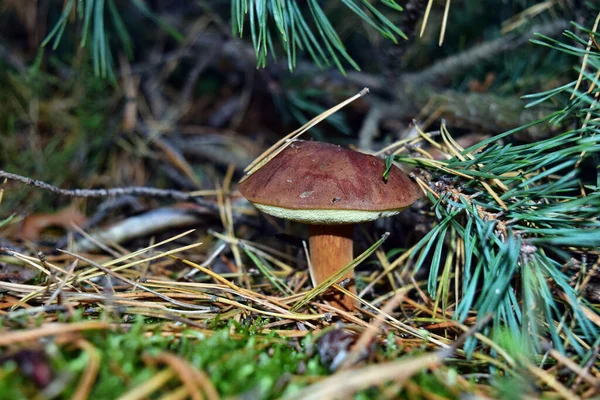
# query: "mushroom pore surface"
[[322, 183]]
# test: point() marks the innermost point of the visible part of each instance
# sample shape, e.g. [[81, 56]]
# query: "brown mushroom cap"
[[321, 183]]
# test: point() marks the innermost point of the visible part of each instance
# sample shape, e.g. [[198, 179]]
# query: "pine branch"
[[520, 224], [517, 217], [452, 66], [411, 92], [295, 31], [521, 213], [92, 15]]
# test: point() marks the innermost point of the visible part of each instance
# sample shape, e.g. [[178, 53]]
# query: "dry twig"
[[112, 192]]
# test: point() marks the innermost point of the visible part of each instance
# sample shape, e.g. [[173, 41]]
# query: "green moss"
[[263, 366]]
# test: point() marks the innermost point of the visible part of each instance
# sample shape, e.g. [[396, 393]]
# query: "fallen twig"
[[141, 225], [19, 336], [113, 192]]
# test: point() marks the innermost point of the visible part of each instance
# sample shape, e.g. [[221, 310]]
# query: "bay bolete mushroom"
[[330, 188]]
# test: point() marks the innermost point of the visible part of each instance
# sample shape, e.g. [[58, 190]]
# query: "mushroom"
[[330, 188]]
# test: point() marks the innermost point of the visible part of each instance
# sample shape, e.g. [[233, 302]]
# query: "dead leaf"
[[334, 347], [34, 224], [16, 273]]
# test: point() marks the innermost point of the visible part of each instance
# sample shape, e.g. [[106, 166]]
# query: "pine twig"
[[113, 192]]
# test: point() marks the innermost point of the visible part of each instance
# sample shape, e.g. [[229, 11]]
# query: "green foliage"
[[295, 33], [72, 137], [6, 220], [267, 270], [92, 17], [523, 214], [243, 363], [430, 386], [295, 30], [518, 383]]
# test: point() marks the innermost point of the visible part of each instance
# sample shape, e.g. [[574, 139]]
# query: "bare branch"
[[113, 192], [461, 62]]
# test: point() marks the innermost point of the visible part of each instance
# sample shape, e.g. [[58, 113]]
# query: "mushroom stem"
[[330, 250]]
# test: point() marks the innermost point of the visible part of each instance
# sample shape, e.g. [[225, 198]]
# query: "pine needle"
[[426, 17], [585, 58], [278, 147], [444, 23]]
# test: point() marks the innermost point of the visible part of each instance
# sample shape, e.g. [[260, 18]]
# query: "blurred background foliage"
[[65, 73]]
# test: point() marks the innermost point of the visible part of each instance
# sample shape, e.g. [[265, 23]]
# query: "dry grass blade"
[[137, 284], [456, 150], [257, 249], [25, 335], [526, 15], [387, 270], [396, 323], [582, 373], [342, 385], [141, 225], [584, 62], [62, 283], [552, 382], [146, 249], [253, 296], [145, 389], [582, 69], [444, 22], [32, 261], [588, 313], [368, 335], [278, 147], [91, 372], [426, 18], [2, 188], [93, 272], [184, 371]]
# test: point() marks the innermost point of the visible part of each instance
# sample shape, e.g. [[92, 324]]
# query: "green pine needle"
[[515, 251], [294, 31]]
